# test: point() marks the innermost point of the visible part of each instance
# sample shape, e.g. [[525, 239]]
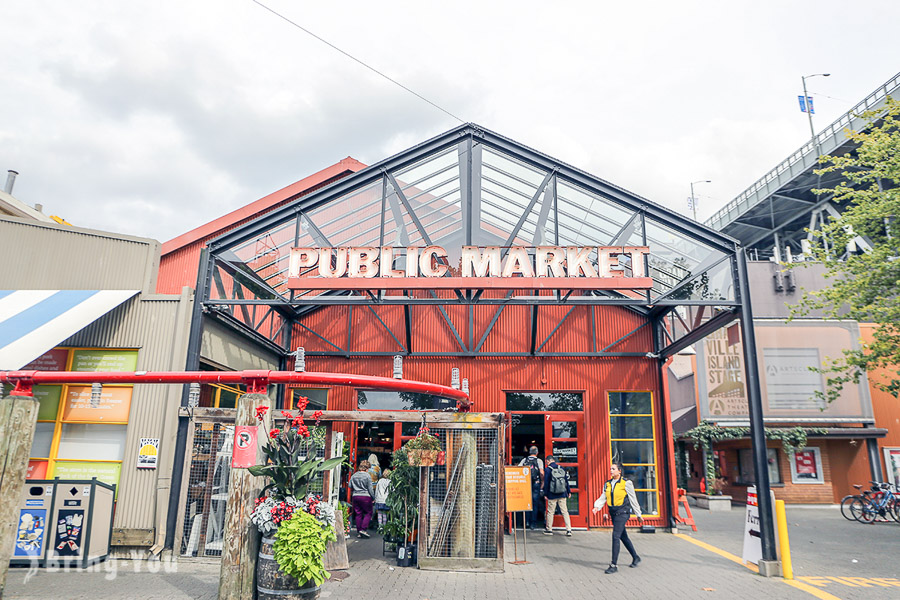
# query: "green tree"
[[863, 285]]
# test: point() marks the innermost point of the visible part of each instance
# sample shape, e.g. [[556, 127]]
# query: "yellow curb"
[[725, 554]]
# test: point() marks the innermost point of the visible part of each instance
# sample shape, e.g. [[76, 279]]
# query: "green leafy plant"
[[706, 434], [292, 459], [423, 441], [403, 498], [300, 546]]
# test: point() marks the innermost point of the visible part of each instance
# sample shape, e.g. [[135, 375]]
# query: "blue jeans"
[[533, 518]]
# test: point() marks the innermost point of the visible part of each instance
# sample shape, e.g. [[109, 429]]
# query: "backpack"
[[558, 479], [535, 472]]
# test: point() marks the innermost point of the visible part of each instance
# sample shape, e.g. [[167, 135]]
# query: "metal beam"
[[383, 324], [627, 335], [698, 333], [321, 337], [558, 325], [754, 401], [534, 321]]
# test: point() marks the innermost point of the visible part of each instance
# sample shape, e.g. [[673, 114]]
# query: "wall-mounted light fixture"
[[300, 360], [454, 378], [96, 391], [398, 367], [194, 395], [465, 385]]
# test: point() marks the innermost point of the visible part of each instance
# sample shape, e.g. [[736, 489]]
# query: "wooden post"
[[237, 578], [18, 416]]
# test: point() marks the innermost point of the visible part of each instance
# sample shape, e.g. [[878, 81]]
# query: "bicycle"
[[879, 501]]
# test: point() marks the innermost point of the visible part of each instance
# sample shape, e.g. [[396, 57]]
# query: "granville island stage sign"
[[541, 267]]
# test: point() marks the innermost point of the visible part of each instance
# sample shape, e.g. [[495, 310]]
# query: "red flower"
[[317, 415], [297, 422], [274, 433], [261, 412], [302, 401], [286, 414], [303, 430]]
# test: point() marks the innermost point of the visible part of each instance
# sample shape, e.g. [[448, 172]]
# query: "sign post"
[[518, 499]]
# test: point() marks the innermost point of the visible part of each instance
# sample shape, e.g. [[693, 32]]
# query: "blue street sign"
[[808, 102]]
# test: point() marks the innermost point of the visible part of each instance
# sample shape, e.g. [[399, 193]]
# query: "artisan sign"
[[542, 267]]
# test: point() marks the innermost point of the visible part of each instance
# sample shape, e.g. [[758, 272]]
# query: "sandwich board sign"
[[752, 538]]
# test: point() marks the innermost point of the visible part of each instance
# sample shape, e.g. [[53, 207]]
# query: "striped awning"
[[34, 321]]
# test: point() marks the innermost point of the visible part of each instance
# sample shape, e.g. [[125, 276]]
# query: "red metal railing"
[[256, 381]]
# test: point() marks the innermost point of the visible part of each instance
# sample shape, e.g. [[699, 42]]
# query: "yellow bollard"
[[787, 569]]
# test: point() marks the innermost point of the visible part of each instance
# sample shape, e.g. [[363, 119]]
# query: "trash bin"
[[35, 507], [64, 521]]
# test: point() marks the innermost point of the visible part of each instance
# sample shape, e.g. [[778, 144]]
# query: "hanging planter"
[[423, 450], [422, 458]]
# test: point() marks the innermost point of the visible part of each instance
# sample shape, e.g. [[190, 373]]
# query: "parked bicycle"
[[882, 500]]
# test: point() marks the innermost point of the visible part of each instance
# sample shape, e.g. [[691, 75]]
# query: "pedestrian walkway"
[[559, 567], [673, 567]]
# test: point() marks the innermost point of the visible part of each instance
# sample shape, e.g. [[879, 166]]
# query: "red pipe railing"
[[256, 381]]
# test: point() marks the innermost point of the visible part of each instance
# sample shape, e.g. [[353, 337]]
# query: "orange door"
[[564, 437]]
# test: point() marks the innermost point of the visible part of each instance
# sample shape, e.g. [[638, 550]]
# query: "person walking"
[[361, 493], [537, 481], [556, 494], [381, 494], [374, 468], [615, 493]]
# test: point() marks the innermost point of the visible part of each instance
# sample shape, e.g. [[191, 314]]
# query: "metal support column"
[[874, 459], [201, 293], [754, 400]]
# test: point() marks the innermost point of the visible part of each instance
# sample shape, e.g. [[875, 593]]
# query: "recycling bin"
[[35, 508], [64, 521]]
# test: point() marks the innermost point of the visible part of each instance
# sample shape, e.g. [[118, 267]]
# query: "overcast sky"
[[151, 118]]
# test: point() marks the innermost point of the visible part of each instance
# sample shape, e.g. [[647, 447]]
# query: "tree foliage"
[[863, 285]]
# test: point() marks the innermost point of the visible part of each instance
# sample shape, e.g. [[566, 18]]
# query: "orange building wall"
[[490, 377], [885, 406]]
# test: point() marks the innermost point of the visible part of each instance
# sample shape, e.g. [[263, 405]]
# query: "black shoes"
[[611, 569], [548, 532], [635, 562]]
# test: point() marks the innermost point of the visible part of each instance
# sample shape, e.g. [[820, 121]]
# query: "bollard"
[[787, 569]]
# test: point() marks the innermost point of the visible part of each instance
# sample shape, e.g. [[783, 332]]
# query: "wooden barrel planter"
[[272, 584]]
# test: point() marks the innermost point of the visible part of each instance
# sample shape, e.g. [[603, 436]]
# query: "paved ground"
[[824, 546], [828, 551]]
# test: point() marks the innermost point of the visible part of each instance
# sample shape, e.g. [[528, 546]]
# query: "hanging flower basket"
[[422, 458]]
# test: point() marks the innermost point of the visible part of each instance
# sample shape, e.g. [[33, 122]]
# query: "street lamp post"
[[812, 131], [694, 199]]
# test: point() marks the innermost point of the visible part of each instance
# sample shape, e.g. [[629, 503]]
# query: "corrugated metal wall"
[[157, 326], [491, 377], [48, 256]]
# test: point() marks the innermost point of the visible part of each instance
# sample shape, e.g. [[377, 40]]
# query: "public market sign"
[[541, 267]]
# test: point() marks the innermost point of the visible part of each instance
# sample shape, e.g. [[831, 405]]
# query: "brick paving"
[[559, 567], [823, 545]]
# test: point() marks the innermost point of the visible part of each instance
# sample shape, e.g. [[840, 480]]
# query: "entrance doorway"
[[554, 423]]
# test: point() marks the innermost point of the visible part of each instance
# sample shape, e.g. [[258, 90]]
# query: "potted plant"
[[423, 450], [403, 503], [296, 525]]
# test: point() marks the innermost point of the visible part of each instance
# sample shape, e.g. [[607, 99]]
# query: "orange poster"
[[518, 489], [113, 406]]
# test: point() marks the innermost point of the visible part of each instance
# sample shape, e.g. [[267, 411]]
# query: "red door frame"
[[581, 519]]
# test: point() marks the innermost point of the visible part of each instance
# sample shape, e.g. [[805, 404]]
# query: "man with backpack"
[[537, 482], [557, 492]]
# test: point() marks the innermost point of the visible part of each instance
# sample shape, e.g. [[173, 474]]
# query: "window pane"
[[113, 405], [92, 442], [105, 472], [48, 396], [643, 477], [633, 452], [573, 476], [318, 399], [572, 503], [372, 400], [564, 429], [43, 438], [544, 401], [631, 428], [745, 466], [227, 398], [647, 500], [410, 429], [623, 403], [566, 451]]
